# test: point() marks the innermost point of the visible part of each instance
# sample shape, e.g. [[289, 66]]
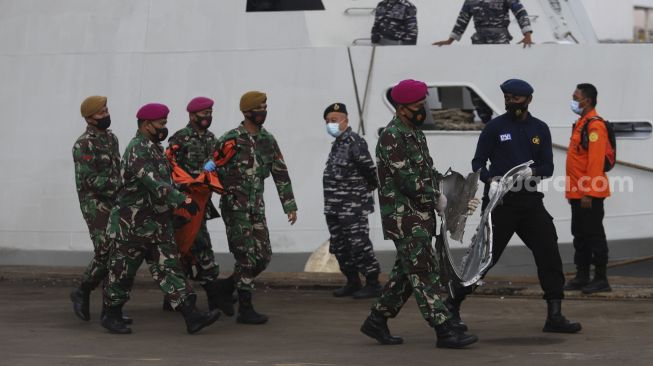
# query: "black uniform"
[[507, 142]]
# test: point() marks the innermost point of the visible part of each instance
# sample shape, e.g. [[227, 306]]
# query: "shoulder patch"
[[594, 137]]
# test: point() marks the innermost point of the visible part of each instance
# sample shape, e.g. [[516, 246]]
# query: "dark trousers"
[[589, 235], [525, 215], [351, 244]]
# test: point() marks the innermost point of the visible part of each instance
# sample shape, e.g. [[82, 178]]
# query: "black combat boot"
[[127, 320], [353, 285], [556, 322], [600, 281], [166, 304], [195, 319], [453, 305], [581, 279], [376, 326], [450, 337], [219, 294], [246, 312], [81, 301], [113, 322], [372, 288]]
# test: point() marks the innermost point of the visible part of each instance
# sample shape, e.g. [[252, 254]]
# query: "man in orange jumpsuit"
[[586, 188]]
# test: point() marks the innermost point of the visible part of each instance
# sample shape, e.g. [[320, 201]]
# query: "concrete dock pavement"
[[310, 327]]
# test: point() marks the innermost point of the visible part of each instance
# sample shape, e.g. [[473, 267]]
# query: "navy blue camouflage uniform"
[[491, 20], [349, 181], [395, 22]]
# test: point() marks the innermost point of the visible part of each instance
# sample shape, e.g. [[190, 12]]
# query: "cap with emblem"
[[152, 111], [517, 87], [335, 107], [251, 100], [199, 104], [409, 91], [92, 105]]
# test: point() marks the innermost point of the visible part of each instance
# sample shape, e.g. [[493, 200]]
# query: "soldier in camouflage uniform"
[[409, 200], [140, 224], [97, 176], [243, 209], [192, 147], [349, 181], [395, 23], [491, 20]]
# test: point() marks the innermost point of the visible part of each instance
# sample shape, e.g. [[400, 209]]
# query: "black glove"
[[191, 207]]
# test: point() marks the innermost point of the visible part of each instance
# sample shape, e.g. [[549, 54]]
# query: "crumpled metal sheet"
[[478, 258]]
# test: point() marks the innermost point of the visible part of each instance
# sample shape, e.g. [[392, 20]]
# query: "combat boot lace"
[[195, 319], [376, 326], [599, 283], [450, 337], [246, 312], [353, 285], [81, 300], [556, 322], [113, 322], [579, 281]]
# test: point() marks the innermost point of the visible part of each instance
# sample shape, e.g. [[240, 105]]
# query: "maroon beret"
[[152, 111], [409, 91], [199, 104]]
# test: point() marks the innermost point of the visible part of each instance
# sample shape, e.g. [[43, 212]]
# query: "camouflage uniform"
[[193, 150], [491, 20], [140, 224], [97, 176], [407, 198], [395, 22], [349, 181], [242, 206]]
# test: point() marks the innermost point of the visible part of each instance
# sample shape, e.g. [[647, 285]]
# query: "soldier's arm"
[[484, 148], [361, 157], [392, 154], [411, 26], [281, 179], [464, 17], [88, 173], [521, 15], [145, 172]]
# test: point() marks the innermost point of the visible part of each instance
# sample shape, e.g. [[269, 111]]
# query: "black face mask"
[[160, 134], [419, 116], [517, 109], [204, 122], [103, 123], [258, 117]]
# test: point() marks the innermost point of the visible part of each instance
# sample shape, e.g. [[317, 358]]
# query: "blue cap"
[[517, 87]]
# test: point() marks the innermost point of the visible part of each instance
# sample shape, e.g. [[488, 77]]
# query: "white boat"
[[53, 54]]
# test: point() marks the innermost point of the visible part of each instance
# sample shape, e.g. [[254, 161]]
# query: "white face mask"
[[575, 107], [333, 129]]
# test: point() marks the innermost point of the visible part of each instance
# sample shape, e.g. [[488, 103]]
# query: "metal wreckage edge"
[[478, 257]]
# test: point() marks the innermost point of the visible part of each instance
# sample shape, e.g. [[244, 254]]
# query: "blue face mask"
[[575, 107], [333, 129]]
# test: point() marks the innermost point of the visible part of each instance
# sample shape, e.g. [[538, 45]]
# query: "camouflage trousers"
[[249, 242], [164, 265], [491, 36], [97, 269], [415, 272], [350, 243], [202, 267]]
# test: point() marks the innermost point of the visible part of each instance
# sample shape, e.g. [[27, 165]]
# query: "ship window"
[[454, 108], [632, 129], [284, 5]]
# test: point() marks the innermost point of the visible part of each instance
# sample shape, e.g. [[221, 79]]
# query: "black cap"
[[335, 107], [517, 87]]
